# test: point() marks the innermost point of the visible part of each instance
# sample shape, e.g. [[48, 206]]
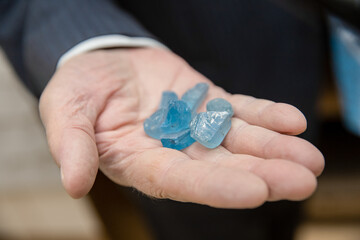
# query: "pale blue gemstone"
[[178, 140], [220, 105], [210, 128], [152, 125], [177, 118], [176, 125], [166, 98], [195, 96]]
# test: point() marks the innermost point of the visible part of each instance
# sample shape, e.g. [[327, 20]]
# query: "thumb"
[[71, 140]]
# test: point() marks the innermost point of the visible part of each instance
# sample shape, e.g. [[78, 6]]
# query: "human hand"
[[93, 111]]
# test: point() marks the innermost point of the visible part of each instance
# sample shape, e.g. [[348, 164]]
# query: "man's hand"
[[93, 110]]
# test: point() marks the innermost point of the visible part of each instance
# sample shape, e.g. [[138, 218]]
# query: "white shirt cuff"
[[108, 41]]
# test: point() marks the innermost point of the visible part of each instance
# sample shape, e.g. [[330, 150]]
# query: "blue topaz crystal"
[[152, 125], [166, 98], [174, 118], [178, 140], [195, 96], [210, 128], [177, 118], [177, 125], [220, 105]]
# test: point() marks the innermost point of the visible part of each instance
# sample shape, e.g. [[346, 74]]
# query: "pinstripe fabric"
[[253, 47], [12, 18], [228, 41], [50, 28]]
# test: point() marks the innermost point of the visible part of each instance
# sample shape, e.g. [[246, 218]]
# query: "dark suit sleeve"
[[35, 33]]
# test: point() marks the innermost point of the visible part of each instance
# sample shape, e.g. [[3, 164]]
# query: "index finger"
[[279, 117]]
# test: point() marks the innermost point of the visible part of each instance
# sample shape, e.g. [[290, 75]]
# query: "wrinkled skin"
[[93, 111]]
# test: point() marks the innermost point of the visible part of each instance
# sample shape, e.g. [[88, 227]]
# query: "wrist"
[[108, 41]]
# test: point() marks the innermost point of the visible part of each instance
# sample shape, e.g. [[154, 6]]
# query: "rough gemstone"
[[178, 140], [153, 123], [195, 96], [210, 128], [167, 97], [178, 126], [177, 118], [174, 118], [220, 105]]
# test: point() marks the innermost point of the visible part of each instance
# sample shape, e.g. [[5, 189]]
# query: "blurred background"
[[33, 204]]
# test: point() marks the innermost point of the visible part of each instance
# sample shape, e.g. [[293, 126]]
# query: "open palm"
[[93, 110]]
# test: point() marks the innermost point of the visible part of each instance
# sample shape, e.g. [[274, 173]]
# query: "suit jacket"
[[263, 48]]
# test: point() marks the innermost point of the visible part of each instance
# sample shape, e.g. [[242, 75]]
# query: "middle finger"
[[244, 138]]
